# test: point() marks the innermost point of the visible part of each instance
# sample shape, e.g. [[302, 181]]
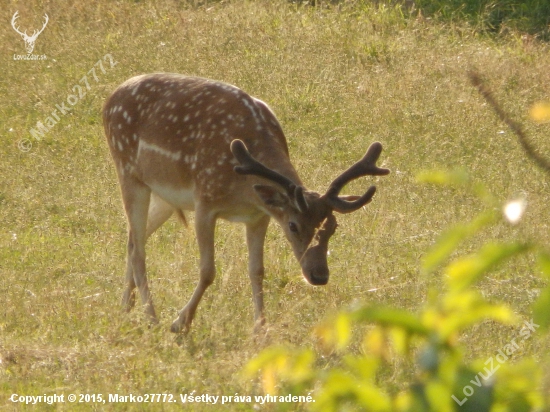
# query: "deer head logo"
[[29, 40]]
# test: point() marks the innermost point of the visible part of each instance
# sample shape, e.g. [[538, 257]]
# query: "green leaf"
[[450, 239], [541, 309], [518, 385], [456, 178], [463, 272], [460, 320], [439, 177], [272, 355], [401, 340], [544, 263], [340, 390], [343, 330], [391, 317], [480, 391], [540, 112], [439, 396], [335, 332], [364, 367], [281, 364]]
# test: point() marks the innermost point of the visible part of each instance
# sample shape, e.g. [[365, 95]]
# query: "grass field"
[[338, 78]]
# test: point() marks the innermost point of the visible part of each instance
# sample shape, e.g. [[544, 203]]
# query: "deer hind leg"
[[159, 212], [255, 237], [205, 224], [136, 197]]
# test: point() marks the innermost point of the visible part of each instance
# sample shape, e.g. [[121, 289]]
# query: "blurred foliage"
[[540, 112], [442, 378], [529, 16]]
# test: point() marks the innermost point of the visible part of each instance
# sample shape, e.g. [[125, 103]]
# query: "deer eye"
[[293, 227]]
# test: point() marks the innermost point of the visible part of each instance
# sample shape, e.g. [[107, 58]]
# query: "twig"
[[540, 160]]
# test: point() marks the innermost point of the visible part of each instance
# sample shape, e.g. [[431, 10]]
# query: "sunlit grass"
[[337, 79]]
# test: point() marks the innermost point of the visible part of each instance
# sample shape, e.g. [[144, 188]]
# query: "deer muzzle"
[[314, 261], [315, 267]]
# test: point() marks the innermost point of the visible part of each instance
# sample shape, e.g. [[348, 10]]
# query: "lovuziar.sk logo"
[[29, 40]]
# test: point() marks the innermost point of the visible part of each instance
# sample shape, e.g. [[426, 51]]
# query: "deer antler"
[[250, 166], [36, 33], [365, 166], [24, 34], [15, 17]]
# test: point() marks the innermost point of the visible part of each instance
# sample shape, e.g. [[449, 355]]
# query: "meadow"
[[338, 78]]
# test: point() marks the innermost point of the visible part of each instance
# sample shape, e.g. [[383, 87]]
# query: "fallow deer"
[[192, 144]]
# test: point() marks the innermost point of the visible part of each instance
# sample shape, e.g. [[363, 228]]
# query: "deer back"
[[173, 133]]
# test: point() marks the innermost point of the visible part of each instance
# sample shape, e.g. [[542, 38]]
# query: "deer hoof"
[[259, 325], [181, 324], [176, 327]]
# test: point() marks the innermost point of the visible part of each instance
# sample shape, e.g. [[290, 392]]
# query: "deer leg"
[[205, 224], [136, 197], [255, 237], [129, 297], [159, 212]]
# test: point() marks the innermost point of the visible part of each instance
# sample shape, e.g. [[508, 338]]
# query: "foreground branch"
[[540, 160]]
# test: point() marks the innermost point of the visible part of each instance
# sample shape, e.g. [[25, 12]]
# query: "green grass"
[[338, 78]]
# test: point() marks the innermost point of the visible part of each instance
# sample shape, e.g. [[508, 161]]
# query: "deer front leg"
[[205, 223], [129, 296], [136, 197], [255, 237], [159, 212]]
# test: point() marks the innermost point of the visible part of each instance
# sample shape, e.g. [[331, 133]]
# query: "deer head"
[[306, 217], [29, 40]]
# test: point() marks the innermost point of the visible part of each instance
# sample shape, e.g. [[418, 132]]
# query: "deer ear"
[[271, 196]]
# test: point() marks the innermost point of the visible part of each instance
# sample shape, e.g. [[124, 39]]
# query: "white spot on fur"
[[143, 145]]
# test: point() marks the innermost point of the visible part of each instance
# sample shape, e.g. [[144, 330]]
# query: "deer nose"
[[318, 276], [314, 265]]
